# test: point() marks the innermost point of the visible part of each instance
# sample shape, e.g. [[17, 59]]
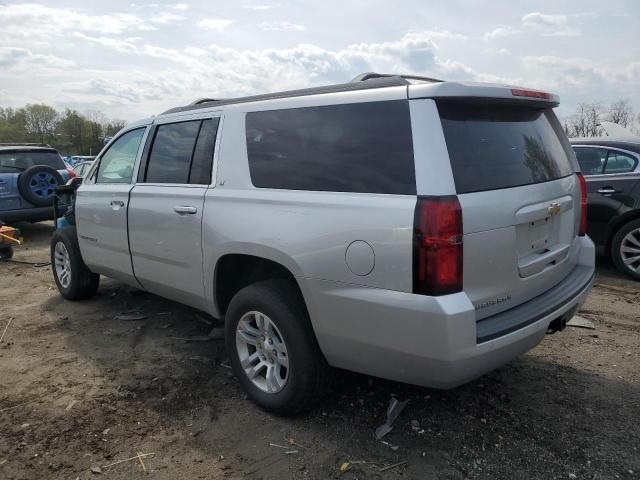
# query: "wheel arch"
[[239, 267]]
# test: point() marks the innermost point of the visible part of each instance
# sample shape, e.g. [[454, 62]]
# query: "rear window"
[[361, 147], [502, 146], [19, 160]]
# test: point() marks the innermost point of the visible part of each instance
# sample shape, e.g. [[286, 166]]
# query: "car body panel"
[[372, 321]]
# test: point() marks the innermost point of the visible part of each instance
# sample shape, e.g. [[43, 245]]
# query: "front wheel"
[[73, 278], [625, 249], [272, 348]]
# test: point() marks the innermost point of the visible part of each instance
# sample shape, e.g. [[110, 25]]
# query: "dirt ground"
[[80, 390]]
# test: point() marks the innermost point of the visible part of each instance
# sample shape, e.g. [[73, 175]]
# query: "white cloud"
[[276, 26], [124, 46], [13, 58], [504, 51], [166, 17], [554, 25], [215, 24], [258, 7], [33, 20], [181, 7], [501, 31]]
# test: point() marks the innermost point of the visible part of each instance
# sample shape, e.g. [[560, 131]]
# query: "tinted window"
[[364, 147], [203, 154], [116, 165], [502, 146], [18, 160], [171, 152], [619, 162], [591, 159]]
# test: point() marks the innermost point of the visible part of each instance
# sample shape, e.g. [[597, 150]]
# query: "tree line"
[[73, 133], [69, 132], [586, 120]]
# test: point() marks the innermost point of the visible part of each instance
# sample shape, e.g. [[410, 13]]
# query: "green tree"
[[40, 121]]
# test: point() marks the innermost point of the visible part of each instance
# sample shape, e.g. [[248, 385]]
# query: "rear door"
[[165, 211], [514, 175], [101, 208], [611, 176]]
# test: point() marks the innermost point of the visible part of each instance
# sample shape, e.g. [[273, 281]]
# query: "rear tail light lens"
[[582, 231], [516, 92], [437, 249], [72, 174]]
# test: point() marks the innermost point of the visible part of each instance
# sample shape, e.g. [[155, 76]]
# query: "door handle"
[[182, 210], [607, 191], [116, 204]]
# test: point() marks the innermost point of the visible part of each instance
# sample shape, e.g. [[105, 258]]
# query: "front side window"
[[171, 152], [591, 159], [116, 165], [620, 162], [360, 147]]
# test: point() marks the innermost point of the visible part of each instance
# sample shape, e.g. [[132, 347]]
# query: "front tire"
[[272, 347], [73, 278], [625, 249]]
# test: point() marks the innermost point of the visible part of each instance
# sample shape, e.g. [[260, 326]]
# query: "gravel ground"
[[80, 390]]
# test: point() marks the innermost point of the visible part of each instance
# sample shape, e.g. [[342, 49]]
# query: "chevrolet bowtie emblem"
[[554, 209]]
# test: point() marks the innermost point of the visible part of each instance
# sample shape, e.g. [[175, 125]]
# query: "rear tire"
[[623, 246], [6, 252], [286, 339], [73, 278]]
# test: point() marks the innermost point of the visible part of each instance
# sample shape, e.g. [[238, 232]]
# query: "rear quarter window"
[[362, 147], [502, 146]]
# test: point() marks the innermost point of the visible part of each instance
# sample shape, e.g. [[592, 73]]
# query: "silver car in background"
[[409, 228]]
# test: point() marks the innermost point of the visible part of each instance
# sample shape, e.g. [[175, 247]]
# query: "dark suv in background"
[[28, 177], [611, 168]]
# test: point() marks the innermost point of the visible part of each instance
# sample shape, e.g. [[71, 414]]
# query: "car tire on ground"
[[37, 184], [6, 252], [73, 278], [625, 247], [268, 335]]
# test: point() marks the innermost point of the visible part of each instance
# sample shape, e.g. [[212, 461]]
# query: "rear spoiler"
[[485, 91]]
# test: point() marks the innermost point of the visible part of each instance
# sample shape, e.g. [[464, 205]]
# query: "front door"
[[165, 210], [101, 209]]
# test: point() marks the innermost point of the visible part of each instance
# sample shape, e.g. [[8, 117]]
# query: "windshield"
[[502, 146], [18, 160]]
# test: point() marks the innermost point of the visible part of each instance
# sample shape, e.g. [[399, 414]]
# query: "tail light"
[[437, 246], [517, 92], [582, 231], [72, 174]]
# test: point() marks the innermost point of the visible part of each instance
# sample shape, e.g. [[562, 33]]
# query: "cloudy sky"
[[131, 60]]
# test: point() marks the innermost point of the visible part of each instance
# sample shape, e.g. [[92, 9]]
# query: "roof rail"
[[25, 144], [371, 75], [200, 101]]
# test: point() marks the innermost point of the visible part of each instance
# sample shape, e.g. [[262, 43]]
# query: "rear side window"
[[591, 159], [19, 160], [182, 152], [502, 146], [171, 152], [362, 147], [620, 162]]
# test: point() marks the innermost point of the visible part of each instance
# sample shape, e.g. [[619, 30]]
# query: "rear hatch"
[[520, 199]]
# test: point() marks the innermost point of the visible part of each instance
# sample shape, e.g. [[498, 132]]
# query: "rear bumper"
[[435, 341], [35, 214]]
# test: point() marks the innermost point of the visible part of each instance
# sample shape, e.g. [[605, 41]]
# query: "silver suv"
[[408, 228]]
